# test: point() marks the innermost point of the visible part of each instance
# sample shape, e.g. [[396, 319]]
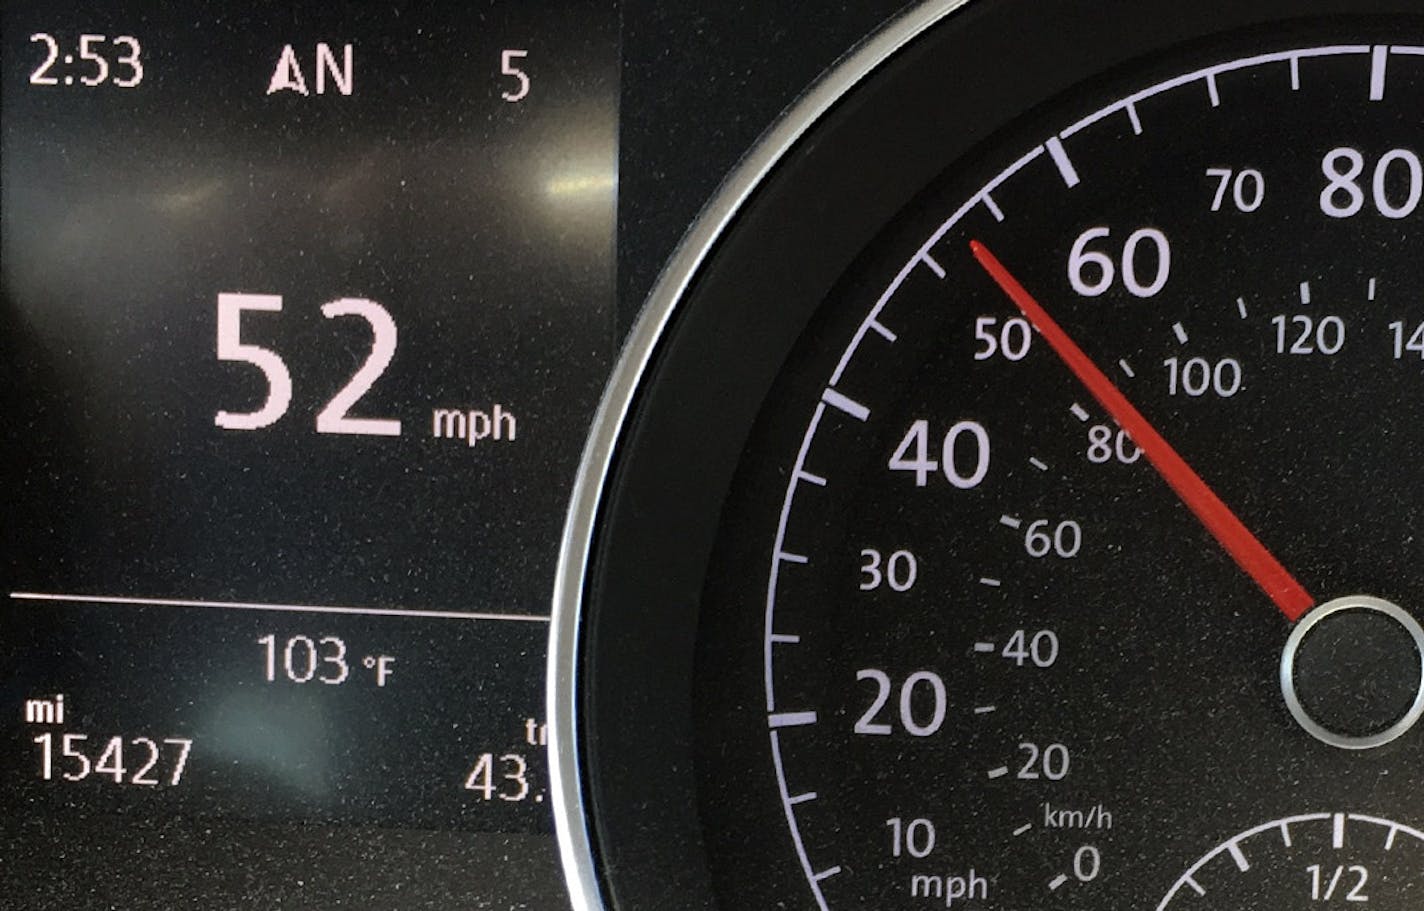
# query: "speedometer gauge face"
[[1072, 555], [1069, 480]]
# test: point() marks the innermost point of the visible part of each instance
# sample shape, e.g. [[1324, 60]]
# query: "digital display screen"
[[306, 311]]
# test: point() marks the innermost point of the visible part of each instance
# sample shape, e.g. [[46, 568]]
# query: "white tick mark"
[[1126, 367], [1242, 863], [992, 206], [934, 266], [842, 403], [992, 583], [1133, 119], [1305, 292], [1000, 772], [1060, 158], [1378, 57], [1241, 306], [1180, 332], [1211, 90], [1010, 521], [1038, 463], [883, 331], [1371, 293], [791, 719]]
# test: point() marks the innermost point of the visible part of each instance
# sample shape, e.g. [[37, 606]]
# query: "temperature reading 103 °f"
[[323, 659]]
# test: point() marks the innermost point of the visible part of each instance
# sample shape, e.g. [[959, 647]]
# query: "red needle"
[[1248, 552]]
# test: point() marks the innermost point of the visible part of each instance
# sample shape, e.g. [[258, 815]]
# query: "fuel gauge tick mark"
[[1242, 863]]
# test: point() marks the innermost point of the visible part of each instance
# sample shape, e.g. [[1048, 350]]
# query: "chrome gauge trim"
[[574, 841], [1292, 698]]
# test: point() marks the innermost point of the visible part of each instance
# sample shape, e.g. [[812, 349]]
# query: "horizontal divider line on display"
[[287, 608]]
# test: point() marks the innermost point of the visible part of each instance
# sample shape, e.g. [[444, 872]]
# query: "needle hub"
[[1352, 672]]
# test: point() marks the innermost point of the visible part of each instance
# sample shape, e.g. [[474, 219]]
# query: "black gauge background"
[[935, 102], [700, 80], [1151, 600]]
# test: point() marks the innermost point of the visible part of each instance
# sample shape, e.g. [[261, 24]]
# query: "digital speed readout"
[[305, 312]]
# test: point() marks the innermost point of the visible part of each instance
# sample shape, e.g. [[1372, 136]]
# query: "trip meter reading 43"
[[1073, 558]]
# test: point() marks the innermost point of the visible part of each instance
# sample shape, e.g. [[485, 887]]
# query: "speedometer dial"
[[1066, 554], [1072, 476]]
